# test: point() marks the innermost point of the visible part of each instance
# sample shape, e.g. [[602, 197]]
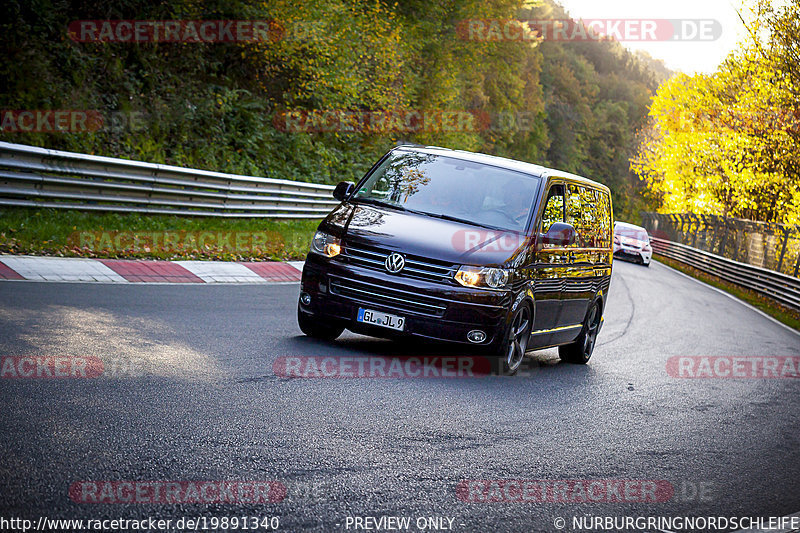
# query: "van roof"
[[503, 162]]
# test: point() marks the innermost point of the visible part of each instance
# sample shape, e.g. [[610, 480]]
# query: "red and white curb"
[[21, 267]]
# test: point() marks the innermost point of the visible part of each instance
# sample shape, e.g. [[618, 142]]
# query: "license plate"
[[379, 318]]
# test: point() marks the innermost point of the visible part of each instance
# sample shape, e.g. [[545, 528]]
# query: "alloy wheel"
[[518, 339], [592, 327]]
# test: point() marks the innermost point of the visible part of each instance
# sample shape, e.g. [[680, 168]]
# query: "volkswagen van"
[[466, 248]]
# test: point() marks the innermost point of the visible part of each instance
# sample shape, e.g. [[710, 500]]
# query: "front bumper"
[[635, 254], [432, 310]]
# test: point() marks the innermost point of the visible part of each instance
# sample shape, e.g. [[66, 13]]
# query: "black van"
[[465, 248]]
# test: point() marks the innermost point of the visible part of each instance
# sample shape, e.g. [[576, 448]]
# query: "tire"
[[580, 351], [313, 327], [512, 349]]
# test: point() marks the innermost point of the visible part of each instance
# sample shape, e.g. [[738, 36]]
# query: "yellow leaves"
[[724, 142]]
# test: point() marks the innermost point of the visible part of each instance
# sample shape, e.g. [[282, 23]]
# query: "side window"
[[577, 207], [554, 208], [574, 211], [604, 220], [584, 213], [589, 211]]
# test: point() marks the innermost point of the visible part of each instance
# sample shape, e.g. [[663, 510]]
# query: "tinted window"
[[464, 190], [589, 211], [604, 218], [553, 208]]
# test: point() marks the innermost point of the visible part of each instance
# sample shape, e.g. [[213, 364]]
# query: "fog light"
[[305, 298], [476, 336]]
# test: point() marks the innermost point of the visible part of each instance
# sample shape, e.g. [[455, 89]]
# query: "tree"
[[727, 143]]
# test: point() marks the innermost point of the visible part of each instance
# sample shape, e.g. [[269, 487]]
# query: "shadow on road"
[[397, 353]]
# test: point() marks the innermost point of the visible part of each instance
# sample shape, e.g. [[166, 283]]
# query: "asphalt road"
[[193, 396]]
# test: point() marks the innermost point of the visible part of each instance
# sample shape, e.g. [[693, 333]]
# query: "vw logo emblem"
[[394, 263]]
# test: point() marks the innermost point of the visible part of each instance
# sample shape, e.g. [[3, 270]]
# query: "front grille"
[[629, 246], [416, 267], [371, 294]]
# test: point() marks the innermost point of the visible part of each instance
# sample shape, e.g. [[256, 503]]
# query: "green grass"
[[67, 233], [786, 315]]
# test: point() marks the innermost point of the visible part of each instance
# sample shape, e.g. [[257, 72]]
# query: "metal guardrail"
[[38, 177], [772, 246], [780, 287]]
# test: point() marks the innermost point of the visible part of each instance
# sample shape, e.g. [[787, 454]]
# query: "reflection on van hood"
[[429, 237]]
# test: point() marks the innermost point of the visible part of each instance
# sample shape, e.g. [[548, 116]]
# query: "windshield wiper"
[[462, 220], [375, 201]]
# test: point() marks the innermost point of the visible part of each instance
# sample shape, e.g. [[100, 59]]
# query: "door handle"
[[571, 257]]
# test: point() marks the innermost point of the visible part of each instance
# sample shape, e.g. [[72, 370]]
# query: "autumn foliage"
[[728, 143]]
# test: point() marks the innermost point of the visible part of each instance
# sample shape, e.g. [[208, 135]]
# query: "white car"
[[632, 242]]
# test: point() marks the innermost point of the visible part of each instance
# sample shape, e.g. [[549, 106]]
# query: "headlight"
[[325, 244], [494, 278]]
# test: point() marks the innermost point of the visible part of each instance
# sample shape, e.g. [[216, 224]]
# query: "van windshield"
[[452, 188]]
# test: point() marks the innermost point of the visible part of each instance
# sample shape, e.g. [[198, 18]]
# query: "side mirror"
[[560, 234], [343, 190]]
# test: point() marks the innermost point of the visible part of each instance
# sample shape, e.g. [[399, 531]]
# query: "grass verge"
[[788, 316], [67, 233]]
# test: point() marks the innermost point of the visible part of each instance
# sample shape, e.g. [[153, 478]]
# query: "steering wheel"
[[506, 215]]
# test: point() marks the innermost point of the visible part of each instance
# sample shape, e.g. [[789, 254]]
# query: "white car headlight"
[[494, 278], [326, 244]]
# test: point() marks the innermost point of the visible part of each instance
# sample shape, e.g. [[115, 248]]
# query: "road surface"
[[189, 393]]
